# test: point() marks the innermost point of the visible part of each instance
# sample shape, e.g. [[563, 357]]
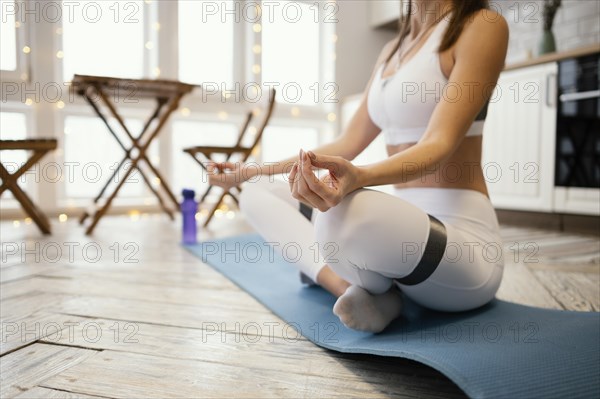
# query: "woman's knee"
[[340, 232], [340, 239], [343, 223], [327, 228]]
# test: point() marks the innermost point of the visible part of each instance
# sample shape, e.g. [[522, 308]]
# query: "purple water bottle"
[[189, 207]]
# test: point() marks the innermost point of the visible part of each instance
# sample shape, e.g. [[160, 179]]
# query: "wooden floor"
[[130, 314]]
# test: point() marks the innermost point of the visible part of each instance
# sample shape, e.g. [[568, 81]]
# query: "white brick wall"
[[577, 24]]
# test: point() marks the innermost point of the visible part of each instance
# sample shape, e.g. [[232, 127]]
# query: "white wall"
[[577, 24], [357, 47]]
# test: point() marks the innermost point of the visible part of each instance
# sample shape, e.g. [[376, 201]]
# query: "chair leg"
[[9, 182], [235, 197], [205, 194], [214, 208], [32, 210]]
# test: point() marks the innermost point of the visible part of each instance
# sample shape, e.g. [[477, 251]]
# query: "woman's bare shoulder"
[[487, 24], [484, 37]]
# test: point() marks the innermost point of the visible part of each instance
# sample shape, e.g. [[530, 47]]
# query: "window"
[[225, 41], [107, 40], [186, 172], [279, 142], [206, 42], [291, 51], [13, 126], [8, 37], [87, 169]]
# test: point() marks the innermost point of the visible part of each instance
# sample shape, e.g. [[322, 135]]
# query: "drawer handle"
[[584, 95]]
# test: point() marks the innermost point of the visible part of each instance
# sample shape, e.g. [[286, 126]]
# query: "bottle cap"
[[188, 194]]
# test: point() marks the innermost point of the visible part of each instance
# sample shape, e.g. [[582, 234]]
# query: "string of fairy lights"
[[149, 45]]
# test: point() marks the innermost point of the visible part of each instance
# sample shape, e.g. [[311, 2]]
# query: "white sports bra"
[[402, 104]]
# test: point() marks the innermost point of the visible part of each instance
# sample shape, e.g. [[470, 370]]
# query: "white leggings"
[[372, 238]]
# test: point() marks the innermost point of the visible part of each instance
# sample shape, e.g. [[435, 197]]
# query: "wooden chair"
[[40, 147], [240, 150]]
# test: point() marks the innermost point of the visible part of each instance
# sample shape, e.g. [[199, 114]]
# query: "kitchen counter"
[[578, 52]]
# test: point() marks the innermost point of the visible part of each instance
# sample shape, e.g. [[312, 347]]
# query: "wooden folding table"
[[40, 147], [105, 92]]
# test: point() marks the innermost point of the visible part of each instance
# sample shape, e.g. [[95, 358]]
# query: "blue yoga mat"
[[499, 350]]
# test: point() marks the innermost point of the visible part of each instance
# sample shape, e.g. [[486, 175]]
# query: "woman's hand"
[[226, 174], [329, 190]]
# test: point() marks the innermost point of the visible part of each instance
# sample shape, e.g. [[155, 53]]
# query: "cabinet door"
[[578, 200], [519, 139]]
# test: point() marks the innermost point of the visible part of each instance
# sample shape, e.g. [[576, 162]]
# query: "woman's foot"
[[359, 310], [332, 282]]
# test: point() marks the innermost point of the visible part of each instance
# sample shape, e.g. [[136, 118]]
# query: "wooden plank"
[[266, 353], [201, 317], [126, 375], [27, 286], [590, 258], [561, 252], [18, 332], [519, 285], [28, 367], [292, 353], [15, 308], [21, 271], [27, 318], [39, 392], [29, 144], [200, 278], [555, 247], [574, 291], [580, 267], [103, 287], [527, 235]]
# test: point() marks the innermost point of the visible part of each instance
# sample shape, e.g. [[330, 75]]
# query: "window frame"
[[22, 73], [165, 57]]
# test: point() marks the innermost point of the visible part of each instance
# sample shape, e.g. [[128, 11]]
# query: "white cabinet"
[[519, 139], [383, 12], [577, 200]]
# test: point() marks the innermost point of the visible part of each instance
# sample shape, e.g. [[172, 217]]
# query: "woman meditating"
[[436, 239]]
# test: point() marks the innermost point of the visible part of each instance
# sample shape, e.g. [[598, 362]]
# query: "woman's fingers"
[[294, 182], [293, 176], [218, 174], [304, 189], [329, 162], [315, 185]]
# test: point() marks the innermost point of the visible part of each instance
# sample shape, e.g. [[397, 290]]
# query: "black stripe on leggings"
[[434, 250], [306, 211]]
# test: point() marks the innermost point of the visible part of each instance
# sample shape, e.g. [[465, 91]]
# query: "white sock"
[[359, 310]]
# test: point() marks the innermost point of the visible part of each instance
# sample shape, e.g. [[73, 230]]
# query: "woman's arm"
[[359, 133], [479, 58]]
